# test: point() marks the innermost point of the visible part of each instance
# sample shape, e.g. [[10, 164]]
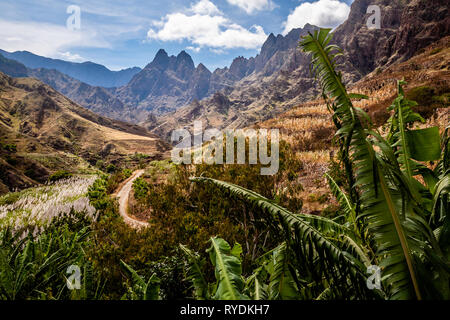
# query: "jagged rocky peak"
[[269, 43], [242, 67], [185, 59], [202, 69], [161, 60]]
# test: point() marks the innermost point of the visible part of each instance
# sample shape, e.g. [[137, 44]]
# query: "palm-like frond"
[[195, 274], [346, 205], [441, 209], [142, 290], [313, 253], [401, 117], [281, 283], [377, 196], [228, 271], [30, 265]]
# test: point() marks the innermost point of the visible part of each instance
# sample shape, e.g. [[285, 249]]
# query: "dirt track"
[[123, 194]]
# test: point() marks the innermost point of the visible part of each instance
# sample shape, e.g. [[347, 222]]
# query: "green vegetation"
[[141, 188], [35, 267], [58, 175], [427, 96], [11, 147], [227, 232], [435, 51], [391, 219]]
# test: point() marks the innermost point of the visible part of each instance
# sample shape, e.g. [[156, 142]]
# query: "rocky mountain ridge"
[[91, 73], [42, 131], [172, 91], [281, 77]]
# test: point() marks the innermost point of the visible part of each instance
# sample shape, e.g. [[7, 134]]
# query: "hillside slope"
[[51, 132], [309, 130], [280, 77], [97, 99]]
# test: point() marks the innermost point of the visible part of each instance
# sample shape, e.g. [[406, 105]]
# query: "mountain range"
[[91, 73], [279, 77], [42, 131], [172, 92]]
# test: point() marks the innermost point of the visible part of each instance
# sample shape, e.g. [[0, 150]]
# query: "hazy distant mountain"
[[172, 91], [98, 99], [88, 72], [12, 67]]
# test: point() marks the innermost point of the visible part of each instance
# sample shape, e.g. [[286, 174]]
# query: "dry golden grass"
[[309, 130]]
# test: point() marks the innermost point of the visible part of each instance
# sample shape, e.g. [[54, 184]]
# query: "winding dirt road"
[[123, 193]]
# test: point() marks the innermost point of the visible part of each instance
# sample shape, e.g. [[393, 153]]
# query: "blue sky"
[[121, 34]]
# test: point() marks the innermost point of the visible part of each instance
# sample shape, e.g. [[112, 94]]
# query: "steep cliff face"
[[165, 84], [199, 85], [272, 81], [406, 27], [280, 78], [422, 23]]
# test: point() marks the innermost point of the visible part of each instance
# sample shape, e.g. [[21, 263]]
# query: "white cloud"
[[45, 39], [205, 7], [217, 51], [195, 49], [322, 13], [74, 57], [210, 30], [251, 6]]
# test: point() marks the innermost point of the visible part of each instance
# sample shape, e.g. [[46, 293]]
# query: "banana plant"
[[226, 261], [391, 206], [272, 279], [314, 255], [141, 289], [404, 230], [34, 267]]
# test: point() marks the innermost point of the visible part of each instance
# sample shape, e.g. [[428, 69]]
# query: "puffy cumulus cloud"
[[206, 30], [251, 6], [205, 7], [322, 13], [45, 39]]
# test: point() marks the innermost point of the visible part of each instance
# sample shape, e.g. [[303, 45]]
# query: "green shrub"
[[9, 198], [127, 173], [10, 147], [140, 188], [111, 168], [100, 164], [422, 95], [58, 175]]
